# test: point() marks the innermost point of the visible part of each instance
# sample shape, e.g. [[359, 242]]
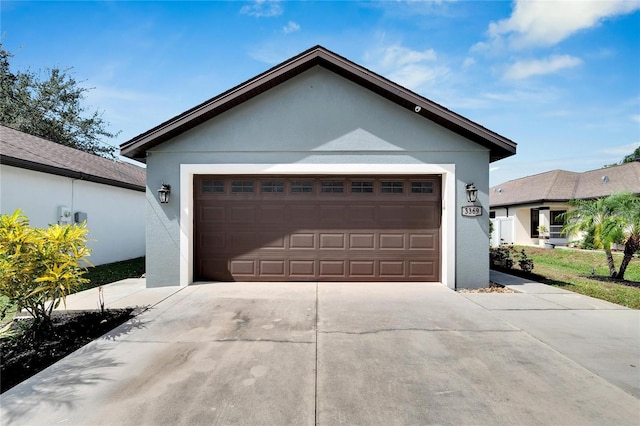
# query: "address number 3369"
[[471, 211]]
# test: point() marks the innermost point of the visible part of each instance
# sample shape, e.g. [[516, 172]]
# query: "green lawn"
[[98, 275], [112, 272], [571, 269]]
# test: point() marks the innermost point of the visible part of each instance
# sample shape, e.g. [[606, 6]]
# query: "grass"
[[97, 275], [571, 270], [112, 272]]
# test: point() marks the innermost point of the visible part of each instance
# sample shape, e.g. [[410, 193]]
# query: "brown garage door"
[[252, 228]]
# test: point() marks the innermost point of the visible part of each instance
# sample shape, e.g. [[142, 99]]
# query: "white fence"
[[502, 231]]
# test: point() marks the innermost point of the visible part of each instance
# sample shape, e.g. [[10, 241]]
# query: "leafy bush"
[[40, 266], [501, 256], [526, 264]]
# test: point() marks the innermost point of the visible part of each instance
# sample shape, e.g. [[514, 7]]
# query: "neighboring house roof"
[[561, 185], [22, 150], [499, 146]]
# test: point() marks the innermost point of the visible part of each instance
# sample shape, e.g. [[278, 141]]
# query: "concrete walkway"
[[127, 293], [601, 336], [347, 353]]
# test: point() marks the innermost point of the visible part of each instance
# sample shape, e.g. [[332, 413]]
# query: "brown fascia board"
[[499, 146], [541, 201], [524, 203], [59, 171]]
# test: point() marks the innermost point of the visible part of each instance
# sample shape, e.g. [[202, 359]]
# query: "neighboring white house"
[[318, 170], [52, 183], [520, 206]]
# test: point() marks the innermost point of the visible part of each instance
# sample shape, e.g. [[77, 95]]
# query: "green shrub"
[[526, 263], [501, 256], [40, 267]]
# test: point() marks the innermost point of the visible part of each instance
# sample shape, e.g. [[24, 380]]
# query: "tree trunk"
[[612, 266], [631, 246]]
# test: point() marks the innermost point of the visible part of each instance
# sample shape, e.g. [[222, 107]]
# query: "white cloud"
[[636, 118], [524, 69], [407, 67], [263, 9], [291, 27], [414, 76], [522, 96], [468, 61], [397, 55], [545, 23]]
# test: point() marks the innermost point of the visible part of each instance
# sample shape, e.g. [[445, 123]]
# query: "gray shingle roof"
[[31, 152], [562, 185]]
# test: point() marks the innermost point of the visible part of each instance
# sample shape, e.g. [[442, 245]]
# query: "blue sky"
[[562, 79]]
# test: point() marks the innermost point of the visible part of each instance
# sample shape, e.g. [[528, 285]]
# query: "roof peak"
[[499, 146]]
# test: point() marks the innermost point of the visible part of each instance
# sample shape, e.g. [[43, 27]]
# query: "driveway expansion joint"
[[306, 342], [428, 330]]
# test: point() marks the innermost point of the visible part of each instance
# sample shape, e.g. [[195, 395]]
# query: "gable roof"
[[499, 146], [562, 185], [22, 150]]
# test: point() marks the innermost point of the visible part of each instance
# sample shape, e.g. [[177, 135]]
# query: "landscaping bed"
[[26, 353], [580, 271]]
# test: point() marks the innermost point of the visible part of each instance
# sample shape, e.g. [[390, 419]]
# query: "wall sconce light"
[[164, 192], [472, 192]]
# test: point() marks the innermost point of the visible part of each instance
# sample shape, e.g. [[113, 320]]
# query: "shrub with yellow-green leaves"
[[40, 267]]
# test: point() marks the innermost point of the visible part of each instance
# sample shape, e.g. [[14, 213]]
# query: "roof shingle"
[[562, 185], [20, 149]]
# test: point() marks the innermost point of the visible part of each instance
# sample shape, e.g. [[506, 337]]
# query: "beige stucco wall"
[[522, 223]]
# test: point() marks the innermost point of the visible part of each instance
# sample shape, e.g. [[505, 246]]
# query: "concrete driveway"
[[321, 353]]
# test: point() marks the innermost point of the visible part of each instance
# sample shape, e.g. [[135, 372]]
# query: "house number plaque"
[[471, 211]]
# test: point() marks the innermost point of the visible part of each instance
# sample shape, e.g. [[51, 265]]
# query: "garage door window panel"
[[302, 186], [331, 187], [362, 187], [272, 186], [392, 187], [242, 186], [422, 187], [213, 186]]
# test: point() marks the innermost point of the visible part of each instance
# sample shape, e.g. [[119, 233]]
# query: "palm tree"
[[600, 217], [627, 207]]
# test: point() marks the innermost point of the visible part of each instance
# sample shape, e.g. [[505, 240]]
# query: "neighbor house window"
[[394, 187], [557, 222], [213, 186], [535, 223], [241, 186], [362, 186], [331, 186]]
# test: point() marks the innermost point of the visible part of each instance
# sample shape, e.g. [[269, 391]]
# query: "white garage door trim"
[[187, 171]]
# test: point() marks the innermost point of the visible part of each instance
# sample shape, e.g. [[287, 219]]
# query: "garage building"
[[318, 170]]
